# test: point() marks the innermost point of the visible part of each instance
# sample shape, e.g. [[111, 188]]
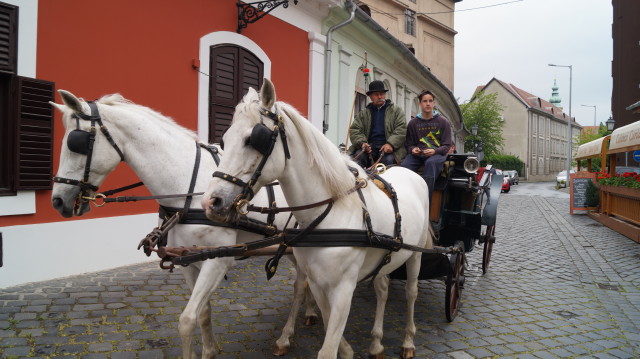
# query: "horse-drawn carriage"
[[331, 246], [463, 213]]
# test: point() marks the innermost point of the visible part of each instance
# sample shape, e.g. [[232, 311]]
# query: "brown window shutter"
[[34, 139], [8, 37], [251, 72], [232, 71]]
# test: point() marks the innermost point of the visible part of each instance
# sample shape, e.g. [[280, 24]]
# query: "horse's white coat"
[[317, 171], [162, 154]]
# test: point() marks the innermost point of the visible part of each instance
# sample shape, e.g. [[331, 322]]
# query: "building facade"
[[625, 71], [534, 130], [424, 26], [194, 70]]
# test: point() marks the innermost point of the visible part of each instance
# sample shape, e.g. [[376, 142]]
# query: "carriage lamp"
[[471, 165], [611, 123], [474, 130]]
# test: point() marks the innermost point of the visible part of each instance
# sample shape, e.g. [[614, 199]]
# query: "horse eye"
[[247, 142]]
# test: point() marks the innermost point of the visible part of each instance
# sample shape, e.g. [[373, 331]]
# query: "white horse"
[[317, 171], [162, 154]]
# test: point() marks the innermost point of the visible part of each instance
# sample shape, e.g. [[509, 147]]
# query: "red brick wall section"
[[144, 50]]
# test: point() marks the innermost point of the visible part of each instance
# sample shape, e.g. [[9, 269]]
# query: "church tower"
[[555, 99]]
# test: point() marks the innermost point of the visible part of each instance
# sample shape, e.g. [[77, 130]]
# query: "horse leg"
[[198, 308], [411, 292], [299, 287], [310, 316], [190, 275], [334, 305], [381, 286]]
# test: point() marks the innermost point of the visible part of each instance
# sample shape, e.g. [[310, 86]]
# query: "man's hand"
[[416, 151], [387, 148], [366, 148], [429, 152]]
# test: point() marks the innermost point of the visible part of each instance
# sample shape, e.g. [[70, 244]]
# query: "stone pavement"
[[559, 286]]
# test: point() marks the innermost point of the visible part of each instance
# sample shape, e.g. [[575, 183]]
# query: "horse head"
[[254, 154], [86, 156]]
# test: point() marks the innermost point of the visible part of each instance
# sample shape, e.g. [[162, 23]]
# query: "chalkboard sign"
[[579, 182]]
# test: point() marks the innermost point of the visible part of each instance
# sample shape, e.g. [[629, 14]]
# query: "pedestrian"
[[428, 140], [378, 132]]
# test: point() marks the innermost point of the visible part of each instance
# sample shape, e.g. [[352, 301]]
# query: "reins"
[[100, 199]]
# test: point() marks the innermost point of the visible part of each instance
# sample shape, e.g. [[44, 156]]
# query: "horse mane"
[[117, 100], [332, 164]]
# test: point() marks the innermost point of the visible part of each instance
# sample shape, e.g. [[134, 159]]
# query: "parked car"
[[561, 178], [506, 185], [513, 177]]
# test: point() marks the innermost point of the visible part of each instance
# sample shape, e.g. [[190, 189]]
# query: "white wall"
[[46, 251], [25, 201]]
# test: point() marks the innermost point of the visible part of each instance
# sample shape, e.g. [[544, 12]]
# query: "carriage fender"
[[491, 208]]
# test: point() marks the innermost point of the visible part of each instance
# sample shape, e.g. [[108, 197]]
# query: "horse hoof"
[[407, 353], [278, 351], [376, 356], [310, 320]]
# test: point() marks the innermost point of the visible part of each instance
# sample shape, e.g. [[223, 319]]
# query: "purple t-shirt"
[[434, 133]]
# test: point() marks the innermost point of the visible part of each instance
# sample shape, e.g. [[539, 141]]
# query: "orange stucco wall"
[[144, 49]]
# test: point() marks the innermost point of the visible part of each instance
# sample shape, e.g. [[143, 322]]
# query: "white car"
[[561, 178]]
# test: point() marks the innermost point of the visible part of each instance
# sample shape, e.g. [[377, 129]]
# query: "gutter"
[[327, 61]]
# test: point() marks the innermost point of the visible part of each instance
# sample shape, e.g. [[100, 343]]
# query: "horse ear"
[[71, 101], [268, 93], [60, 108]]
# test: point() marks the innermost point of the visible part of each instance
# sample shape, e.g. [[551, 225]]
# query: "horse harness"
[[82, 142], [263, 140]]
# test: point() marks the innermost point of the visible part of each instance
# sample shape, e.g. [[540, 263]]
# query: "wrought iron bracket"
[[248, 13]]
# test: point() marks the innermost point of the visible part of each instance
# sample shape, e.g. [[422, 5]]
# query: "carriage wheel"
[[455, 283], [489, 239]]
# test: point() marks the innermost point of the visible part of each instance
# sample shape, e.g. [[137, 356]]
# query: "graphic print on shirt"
[[431, 139]]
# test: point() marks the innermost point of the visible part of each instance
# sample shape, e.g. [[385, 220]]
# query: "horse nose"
[[215, 203], [57, 203]]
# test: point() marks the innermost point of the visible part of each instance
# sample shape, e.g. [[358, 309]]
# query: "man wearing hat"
[[378, 130]]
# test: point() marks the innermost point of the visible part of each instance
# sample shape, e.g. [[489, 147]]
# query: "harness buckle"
[[380, 168], [95, 198], [242, 207]]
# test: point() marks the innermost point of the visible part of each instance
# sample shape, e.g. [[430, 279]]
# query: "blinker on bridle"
[[263, 140], [81, 142]]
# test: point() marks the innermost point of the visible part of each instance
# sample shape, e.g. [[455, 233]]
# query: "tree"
[[484, 110]]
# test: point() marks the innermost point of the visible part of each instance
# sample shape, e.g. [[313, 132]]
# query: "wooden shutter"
[[8, 37], [34, 137], [232, 71]]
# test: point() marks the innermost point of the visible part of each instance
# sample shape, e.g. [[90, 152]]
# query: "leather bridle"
[[81, 142], [263, 140]]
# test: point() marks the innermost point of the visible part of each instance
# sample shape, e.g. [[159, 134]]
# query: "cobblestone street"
[[559, 286]]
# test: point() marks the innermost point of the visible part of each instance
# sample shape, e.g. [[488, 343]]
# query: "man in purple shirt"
[[428, 140]]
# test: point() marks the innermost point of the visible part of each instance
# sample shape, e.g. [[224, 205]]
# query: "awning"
[[592, 149], [625, 138]]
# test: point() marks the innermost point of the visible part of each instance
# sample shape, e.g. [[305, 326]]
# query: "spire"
[[555, 99]]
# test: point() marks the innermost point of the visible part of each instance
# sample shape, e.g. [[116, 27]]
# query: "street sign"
[[636, 155]]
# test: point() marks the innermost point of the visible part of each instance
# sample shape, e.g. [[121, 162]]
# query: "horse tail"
[[428, 235]]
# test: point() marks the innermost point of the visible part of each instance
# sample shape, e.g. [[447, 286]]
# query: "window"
[[26, 118], [233, 70], [410, 22], [360, 103]]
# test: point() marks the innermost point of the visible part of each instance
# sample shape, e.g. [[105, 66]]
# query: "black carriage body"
[[458, 201]]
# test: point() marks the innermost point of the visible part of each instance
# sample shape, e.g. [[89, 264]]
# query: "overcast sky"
[[516, 41]]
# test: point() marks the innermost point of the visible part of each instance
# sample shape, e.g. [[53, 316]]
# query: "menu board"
[[579, 182]]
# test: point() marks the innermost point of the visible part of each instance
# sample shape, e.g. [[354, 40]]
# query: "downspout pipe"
[[327, 61]]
